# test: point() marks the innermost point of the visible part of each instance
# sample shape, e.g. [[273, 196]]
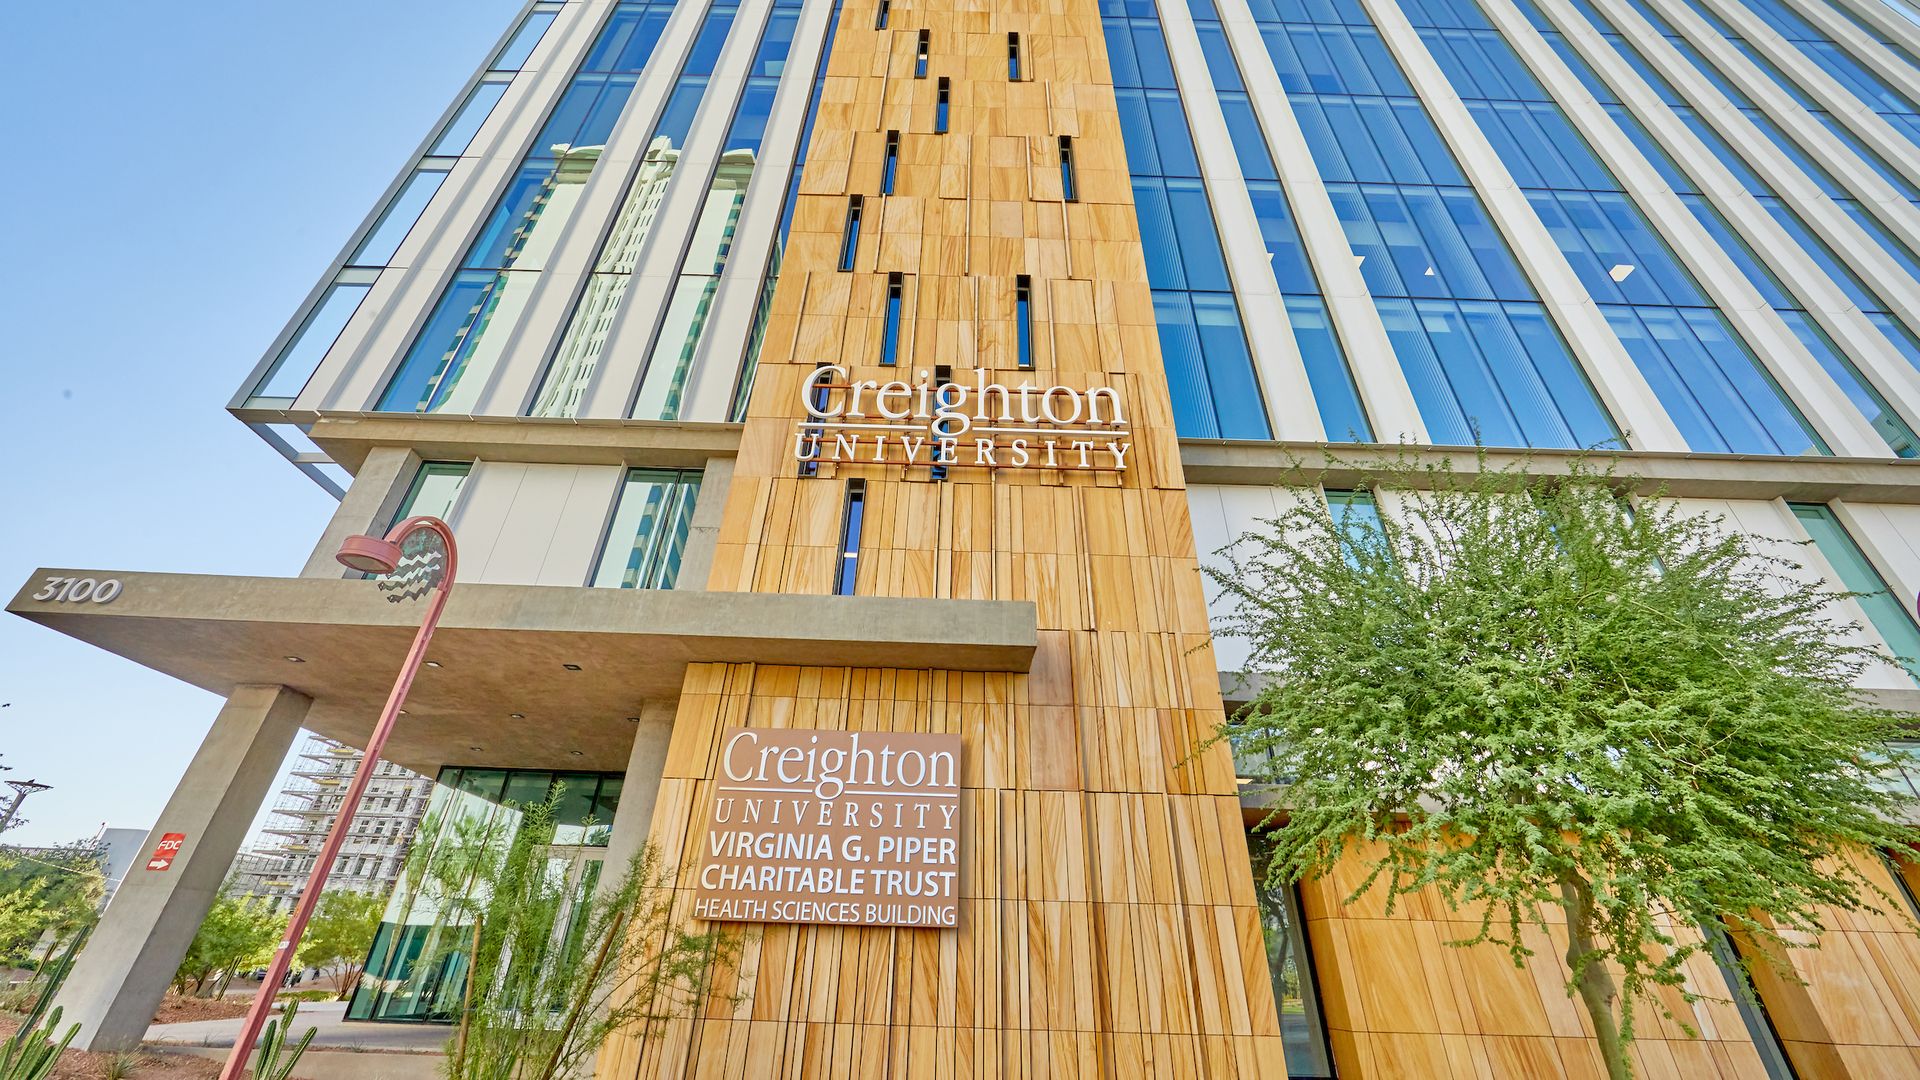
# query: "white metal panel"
[[529, 524]]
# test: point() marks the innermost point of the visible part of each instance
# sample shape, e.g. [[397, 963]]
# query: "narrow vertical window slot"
[[810, 465], [880, 16], [890, 330], [940, 107], [1069, 190], [850, 235], [1023, 319], [920, 54], [851, 518], [890, 165], [942, 377], [1013, 57]]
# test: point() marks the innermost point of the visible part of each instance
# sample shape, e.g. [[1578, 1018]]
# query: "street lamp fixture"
[[417, 557]]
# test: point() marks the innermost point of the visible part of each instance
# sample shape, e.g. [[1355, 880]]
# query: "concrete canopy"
[[505, 649]]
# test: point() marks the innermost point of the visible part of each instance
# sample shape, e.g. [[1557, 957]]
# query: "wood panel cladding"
[[1108, 926]]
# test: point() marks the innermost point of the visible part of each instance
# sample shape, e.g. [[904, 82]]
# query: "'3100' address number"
[[66, 590]]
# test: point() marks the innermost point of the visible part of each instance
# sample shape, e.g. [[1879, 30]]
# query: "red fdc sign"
[[167, 851]]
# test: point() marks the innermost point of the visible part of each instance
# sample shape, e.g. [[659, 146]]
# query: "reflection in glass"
[[401, 214], [1303, 1033], [466, 334], [459, 132], [417, 967], [1886, 611], [513, 56], [435, 488], [670, 363], [649, 530], [298, 361], [586, 335], [770, 277]]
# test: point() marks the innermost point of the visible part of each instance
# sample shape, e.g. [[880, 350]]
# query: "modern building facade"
[[305, 812], [888, 366]]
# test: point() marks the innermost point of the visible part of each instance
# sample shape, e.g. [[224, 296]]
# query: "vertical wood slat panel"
[[1102, 932]]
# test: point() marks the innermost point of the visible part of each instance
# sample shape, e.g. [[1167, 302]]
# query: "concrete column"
[[120, 976], [377, 491], [696, 562], [633, 818]]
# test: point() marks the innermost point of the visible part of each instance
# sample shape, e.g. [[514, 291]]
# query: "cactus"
[[275, 1061], [31, 1053]]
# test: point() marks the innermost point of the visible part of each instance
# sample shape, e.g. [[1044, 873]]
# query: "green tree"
[[565, 959], [339, 934], [1522, 694], [57, 889], [237, 932]]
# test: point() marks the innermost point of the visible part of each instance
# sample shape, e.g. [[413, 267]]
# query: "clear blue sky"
[[176, 178]]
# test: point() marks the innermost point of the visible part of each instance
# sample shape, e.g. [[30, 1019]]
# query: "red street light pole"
[[419, 556]]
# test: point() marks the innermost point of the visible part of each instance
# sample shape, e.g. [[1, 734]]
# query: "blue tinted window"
[[459, 132], [771, 276], [450, 350], [1482, 359], [1696, 364], [1204, 346], [1023, 320], [890, 327], [850, 235], [514, 54]]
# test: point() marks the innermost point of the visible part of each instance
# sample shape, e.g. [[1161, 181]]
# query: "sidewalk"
[[334, 1032]]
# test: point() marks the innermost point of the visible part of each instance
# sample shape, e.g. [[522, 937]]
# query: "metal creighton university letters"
[[934, 421], [860, 828]]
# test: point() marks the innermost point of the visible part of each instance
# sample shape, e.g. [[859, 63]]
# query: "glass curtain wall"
[[1893, 106], [1718, 393], [663, 387], [1874, 306], [771, 278], [301, 357], [1202, 342], [1830, 186], [466, 333], [417, 967], [1483, 359], [1341, 412], [1785, 303], [594, 312], [648, 534]]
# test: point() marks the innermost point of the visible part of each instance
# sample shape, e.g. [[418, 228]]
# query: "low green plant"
[[275, 1061], [120, 1066], [18, 998], [32, 1052], [565, 959]]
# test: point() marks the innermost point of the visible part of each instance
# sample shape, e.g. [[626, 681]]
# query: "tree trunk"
[[1597, 990]]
